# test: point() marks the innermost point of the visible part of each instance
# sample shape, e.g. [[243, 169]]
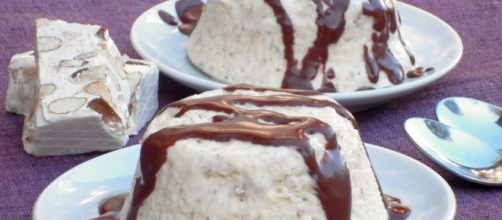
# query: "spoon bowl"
[[457, 151], [478, 118]]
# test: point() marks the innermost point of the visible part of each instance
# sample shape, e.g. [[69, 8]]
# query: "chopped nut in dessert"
[[66, 105]]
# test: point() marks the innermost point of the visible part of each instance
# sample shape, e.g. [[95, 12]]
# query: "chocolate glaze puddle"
[[379, 57], [418, 72], [167, 18], [396, 210], [330, 26], [331, 174], [188, 11], [110, 208]]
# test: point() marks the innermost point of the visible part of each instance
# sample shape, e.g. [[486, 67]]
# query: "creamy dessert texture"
[[77, 92], [254, 153], [344, 45]]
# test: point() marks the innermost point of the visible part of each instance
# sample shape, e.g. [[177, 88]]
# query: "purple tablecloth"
[[479, 75]]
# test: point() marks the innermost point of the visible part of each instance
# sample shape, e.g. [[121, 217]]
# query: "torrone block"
[[143, 77], [82, 96]]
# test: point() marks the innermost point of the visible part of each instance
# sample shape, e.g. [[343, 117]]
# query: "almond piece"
[[66, 105], [134, 79], [102, 33], [72, 63], [88, 74], [99, 88], [47, 43], [46, 89], [85, 56], [102, 107]]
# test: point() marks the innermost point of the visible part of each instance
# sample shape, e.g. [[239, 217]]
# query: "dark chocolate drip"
[[330, 26], [327, 85], [292, 77], [331, 174], [418, 72], [396, 210], [499, 121], [380, 57], [167, 18], [371, 65], [189, 12], [405, 45], [330, 74]]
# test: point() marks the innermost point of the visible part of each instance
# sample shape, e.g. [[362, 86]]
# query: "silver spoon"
[[457, 151], [478, 118]]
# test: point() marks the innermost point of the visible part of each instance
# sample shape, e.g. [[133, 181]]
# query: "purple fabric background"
[[479, 75]]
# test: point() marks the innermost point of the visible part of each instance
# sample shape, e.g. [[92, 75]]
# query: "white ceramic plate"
[[434, 43], [77, 193]]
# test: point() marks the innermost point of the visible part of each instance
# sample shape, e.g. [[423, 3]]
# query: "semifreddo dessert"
[[254, 153], [78, 93], [330, 46]]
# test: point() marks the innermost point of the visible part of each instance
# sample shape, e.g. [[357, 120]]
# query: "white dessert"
[[236, 179], [84, 92], [242, 42], [143, 77], [22, 80]]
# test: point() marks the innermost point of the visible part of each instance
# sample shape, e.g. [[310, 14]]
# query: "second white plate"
[[76, 194], [434, 43]]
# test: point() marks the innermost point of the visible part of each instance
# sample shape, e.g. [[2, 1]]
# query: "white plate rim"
[[370, 148], [356, 97], [451, 195]]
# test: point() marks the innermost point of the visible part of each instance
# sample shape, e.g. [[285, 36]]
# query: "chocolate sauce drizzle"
[[380, 57], [338, 108], [331, 23], [331, 174]]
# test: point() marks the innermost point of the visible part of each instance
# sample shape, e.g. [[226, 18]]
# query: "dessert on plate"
[[246, 152], [330, 46], [78, 93]]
